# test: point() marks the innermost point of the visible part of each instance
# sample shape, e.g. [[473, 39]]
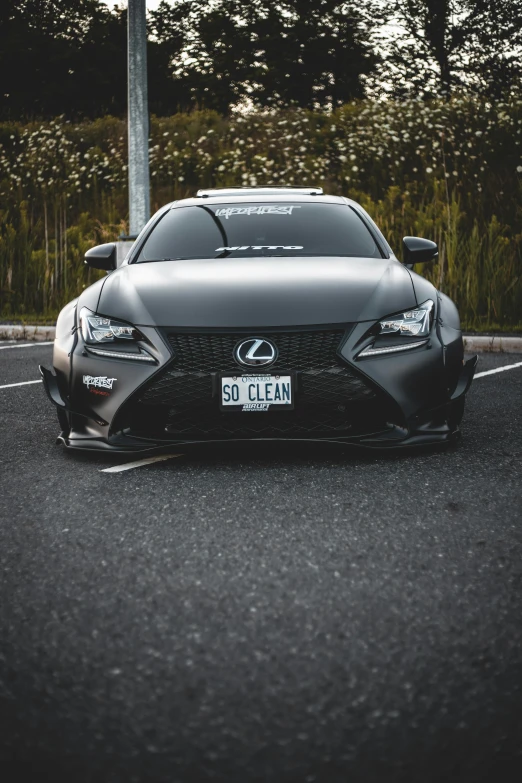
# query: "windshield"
[[252, 230]]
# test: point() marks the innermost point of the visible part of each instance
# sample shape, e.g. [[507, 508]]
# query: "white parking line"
[[23, 383], [24, 345], [498, 369], [139, 463]]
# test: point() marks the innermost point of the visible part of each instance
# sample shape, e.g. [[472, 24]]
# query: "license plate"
[[257, 392]]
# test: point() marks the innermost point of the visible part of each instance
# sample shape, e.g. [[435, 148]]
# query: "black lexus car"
[[261, 313]]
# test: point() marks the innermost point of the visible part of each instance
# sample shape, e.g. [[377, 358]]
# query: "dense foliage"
[[448, 171], [294, 52], [71, 55], [440, 47]]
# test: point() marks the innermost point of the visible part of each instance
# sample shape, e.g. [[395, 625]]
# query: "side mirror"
[[102, 257], [418, 251]]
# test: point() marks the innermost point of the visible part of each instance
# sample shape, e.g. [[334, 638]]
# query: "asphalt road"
[[262, 613]]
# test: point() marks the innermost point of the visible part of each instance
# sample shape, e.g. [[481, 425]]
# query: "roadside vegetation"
[[447, 170]]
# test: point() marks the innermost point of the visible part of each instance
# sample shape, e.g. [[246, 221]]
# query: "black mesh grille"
[[297, 350], [179, 389], [330, 398], [301, 422]]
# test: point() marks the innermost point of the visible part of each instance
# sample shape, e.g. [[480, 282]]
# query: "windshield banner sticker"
[[265, 209]]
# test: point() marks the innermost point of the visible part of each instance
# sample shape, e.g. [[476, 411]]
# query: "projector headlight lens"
[[98, 329], [411, 323]]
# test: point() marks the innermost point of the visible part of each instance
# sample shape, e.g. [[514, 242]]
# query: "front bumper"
[[400, 400]]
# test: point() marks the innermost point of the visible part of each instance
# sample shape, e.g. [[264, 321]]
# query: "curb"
[[33, 333], [482, 344], [492, 344]]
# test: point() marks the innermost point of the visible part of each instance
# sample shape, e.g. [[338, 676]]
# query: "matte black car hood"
[[257, 292]]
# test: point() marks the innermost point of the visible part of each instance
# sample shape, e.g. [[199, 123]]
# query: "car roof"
[[259, 195], [263, 191]]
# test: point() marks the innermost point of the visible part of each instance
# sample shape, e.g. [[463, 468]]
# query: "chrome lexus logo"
[[255, 352]]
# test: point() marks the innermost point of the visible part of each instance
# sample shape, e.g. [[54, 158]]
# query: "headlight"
[[97, 330], [411, 323]]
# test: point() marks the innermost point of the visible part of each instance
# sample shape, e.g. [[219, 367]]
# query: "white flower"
[[429, 170], [181, 179], [519, 169], [355, 168]]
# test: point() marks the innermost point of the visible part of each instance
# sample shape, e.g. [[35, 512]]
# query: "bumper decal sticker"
[[98, 381]]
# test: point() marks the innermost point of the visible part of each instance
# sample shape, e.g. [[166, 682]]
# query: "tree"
[[70, 57], [289, 52], [439, 46]]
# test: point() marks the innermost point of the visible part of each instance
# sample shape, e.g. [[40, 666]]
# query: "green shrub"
[[448, 171]]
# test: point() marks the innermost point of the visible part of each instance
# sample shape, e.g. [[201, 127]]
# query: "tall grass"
[[448, 171]]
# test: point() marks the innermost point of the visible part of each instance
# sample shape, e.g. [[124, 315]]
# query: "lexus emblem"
[[255, 352]]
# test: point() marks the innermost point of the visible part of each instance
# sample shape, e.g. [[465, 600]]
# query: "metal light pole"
[[138, 117]]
